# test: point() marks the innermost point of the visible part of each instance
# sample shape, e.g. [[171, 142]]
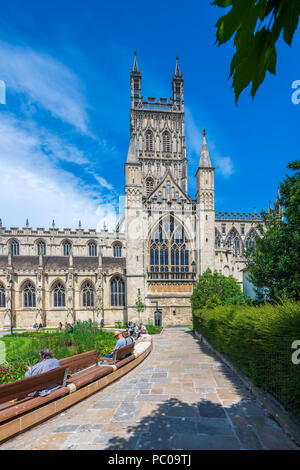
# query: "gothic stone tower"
[[160, 216]]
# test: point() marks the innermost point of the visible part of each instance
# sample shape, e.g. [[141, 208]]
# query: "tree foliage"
[[139, 303], [212, 289], [275, 264], [256, 26]]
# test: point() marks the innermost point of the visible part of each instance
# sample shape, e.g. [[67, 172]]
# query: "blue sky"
[[64, 131]]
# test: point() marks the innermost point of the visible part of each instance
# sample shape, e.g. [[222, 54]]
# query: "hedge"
[[258, 339]]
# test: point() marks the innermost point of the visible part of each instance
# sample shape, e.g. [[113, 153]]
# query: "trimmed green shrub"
[[259, 340]]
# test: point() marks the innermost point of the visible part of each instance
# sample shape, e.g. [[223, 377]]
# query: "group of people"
[[134, 330], [38, 327], [60, 326]]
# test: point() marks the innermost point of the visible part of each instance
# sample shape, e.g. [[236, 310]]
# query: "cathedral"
[[163, 241]]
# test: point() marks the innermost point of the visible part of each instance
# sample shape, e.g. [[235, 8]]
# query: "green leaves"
[[213, 288], [275, 263], [256, 26]]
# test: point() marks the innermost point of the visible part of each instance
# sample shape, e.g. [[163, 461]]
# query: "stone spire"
[[204, 161], [135, 65], [131, 156], [177, 70]]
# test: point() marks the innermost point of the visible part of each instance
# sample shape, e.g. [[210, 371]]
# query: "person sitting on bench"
[[47, 362], [119, 344], [129, 339]]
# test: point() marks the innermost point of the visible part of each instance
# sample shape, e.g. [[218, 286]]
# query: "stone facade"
[[163, 241]]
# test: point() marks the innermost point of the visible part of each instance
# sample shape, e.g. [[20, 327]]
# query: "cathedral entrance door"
[[158, 318]]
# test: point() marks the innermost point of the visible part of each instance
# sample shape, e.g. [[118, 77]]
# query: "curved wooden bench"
[[84, 368], [22, 415], [119, 354], [14, 398]]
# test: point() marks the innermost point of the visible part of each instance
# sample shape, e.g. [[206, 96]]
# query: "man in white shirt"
[[119, 344]]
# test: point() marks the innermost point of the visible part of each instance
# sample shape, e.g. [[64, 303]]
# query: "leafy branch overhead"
[[256, 26]]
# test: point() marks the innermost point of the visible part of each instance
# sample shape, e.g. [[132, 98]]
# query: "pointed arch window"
[[67, 248], [250, 240], [93, 249], [2, 296], [41, 248], [149, 141], [15, 248], [166, 142], [88, 292], [169, 254], [117, 288], [149, 185], [59, 295], [29, 295], [217, 240], [117, 250], [233, 241]]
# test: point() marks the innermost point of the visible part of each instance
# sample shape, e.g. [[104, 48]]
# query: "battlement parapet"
[[238, 216]]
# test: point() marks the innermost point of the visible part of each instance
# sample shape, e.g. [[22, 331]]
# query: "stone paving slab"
[[179, 400]]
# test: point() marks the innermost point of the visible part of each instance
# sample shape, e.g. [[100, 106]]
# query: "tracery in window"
[[217, 239], [92, 249], [233, 241], [59, 295], [117, 250], [169, 256], [88, 294], [117, 289], [149, 141], [15, 248], [29, 295], [166, 142], [67, 248], [250, 240], [41, 248]]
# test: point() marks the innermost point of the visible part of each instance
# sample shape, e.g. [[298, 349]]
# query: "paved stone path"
[[180, 397]]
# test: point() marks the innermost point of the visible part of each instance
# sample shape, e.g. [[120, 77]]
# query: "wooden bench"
[[120, 354], [14, 398], [84, 368]]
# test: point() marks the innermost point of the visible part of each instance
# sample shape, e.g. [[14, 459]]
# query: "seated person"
[[121, 342], [47, 362], [128, 338], [143, 329]]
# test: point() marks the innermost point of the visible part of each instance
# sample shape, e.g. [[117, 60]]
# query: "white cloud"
[[193, 134], [224, 166], [45, 82], [103, 182], [34, 187]]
